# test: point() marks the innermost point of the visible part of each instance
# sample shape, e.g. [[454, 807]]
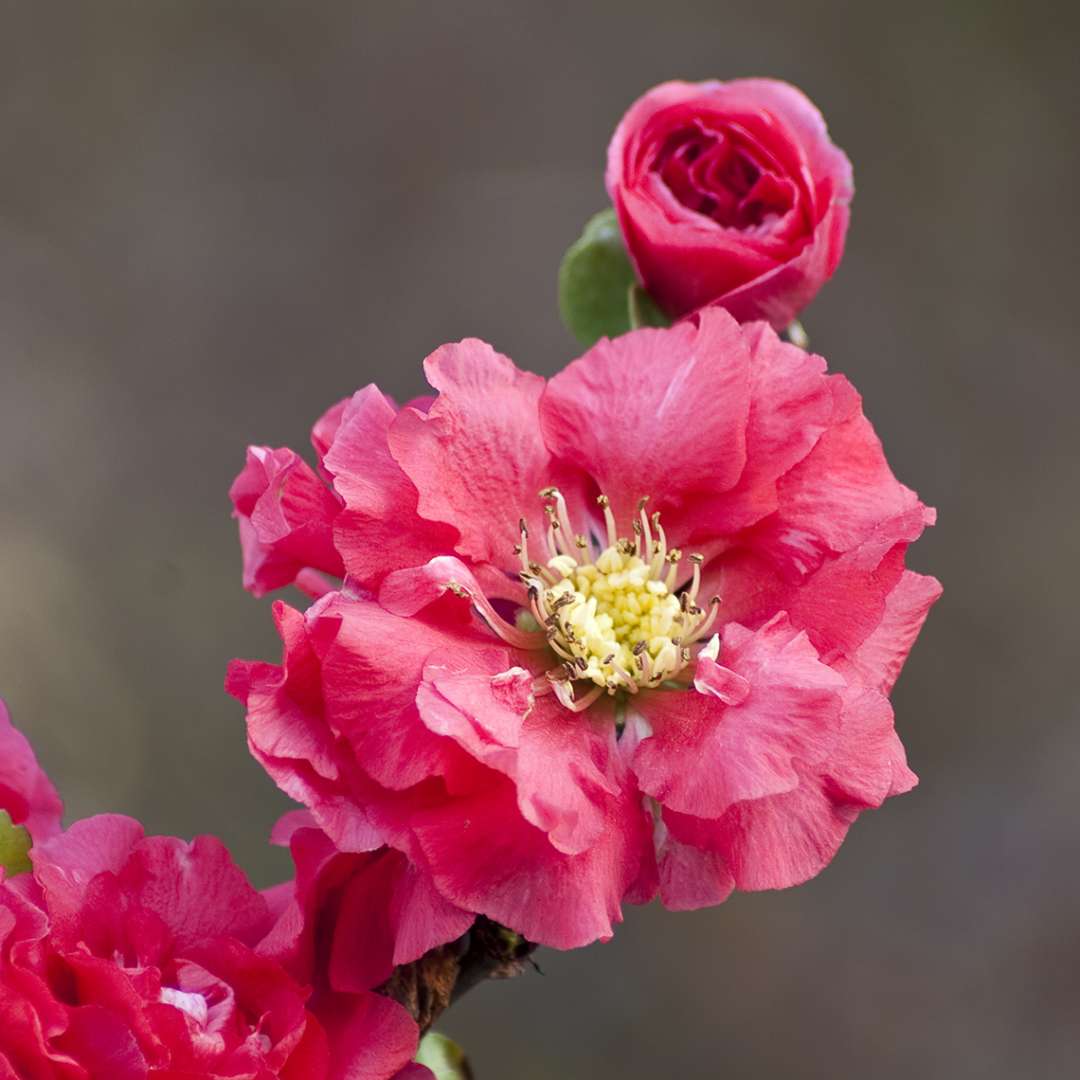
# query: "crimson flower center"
[[713, 174]]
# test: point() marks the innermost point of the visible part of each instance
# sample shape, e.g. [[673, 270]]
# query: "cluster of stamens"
[[615, 619]]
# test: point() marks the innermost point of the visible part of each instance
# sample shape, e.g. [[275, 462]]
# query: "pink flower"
[[551, 696], [730, 193], [26, 793], [125, 956], [349, 919]]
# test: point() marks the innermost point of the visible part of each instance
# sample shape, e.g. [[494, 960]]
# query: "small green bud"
[[443, 1057], [14, 846]]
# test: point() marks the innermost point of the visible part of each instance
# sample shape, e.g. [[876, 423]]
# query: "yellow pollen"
[[616, 619]]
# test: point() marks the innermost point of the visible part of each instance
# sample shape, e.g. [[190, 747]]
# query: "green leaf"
[[443, 1057], [594, 278], [14, 846], [643, 309]]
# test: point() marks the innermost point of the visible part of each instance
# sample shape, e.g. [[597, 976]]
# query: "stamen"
[[561, 511], [581, 704], [522, 549], [673, 557], [543, 572], [553, 640], [520, 639], [697, 560], [706, 624], [645, 525], [552, 538], [625, 675], [646, 665], [609, 519], [659, 547]]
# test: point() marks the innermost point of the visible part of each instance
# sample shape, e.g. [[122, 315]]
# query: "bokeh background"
[[217, 218]]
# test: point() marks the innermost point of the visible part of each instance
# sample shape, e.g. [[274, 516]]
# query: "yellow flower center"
[[615, 621], [615, 618]]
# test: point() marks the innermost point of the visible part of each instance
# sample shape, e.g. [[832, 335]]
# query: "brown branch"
[[430, 985]]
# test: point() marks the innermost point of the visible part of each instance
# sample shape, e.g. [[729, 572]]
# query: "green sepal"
[[14, 847], [594, 280], [643, 310], [443, 1057]]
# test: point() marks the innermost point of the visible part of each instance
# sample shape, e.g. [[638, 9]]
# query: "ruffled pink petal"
[[786, 838], [284, 702], [103, 1044], [705, 754], [390, 914], [826, 160], [774, 842], [195, 889], [840, 493], [379, 530], [869, 763], [476, 457], [486, 857], [790, 407], [370, 1036], [842, 602], [568, 773], [371, 666], [325, 429], [655, 413], [779, 294], [367, 913], [480, 701], [285, 513], [66, 864], [879, 657], [26, 793], [689, 877], [564, 764]]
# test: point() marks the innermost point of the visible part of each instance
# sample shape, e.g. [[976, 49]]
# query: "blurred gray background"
[[218, 218]]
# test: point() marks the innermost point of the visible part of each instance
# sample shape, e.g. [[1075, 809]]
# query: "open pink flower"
[[124, 957], [26, 793], [626, 630]]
